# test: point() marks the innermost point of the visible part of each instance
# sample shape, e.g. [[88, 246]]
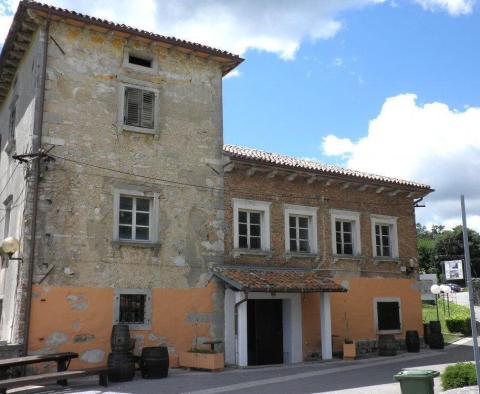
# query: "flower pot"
[[210, 361], [349, 351]]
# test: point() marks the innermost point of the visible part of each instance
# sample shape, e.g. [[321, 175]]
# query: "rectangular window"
[[132, 308], [382, 240], [388, 315], [344, 237], [298, 231], [134, 218], [139, 61], [139, 108], [12, 123], [249, 230]]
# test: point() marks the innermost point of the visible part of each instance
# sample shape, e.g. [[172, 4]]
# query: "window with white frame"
[[135, 217], [133, 307], [384, 236], [300, 229], [387, 315], [251, 225], [345, 233]]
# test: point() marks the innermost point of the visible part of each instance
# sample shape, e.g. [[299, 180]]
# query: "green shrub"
[[459, 324], [459, 375]]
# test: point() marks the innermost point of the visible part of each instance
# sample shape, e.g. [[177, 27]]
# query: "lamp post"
[[10, 246], [435, 289], [447, 290]]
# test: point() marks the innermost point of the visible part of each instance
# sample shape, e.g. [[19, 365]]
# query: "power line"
[[9, 178], [220, 189]]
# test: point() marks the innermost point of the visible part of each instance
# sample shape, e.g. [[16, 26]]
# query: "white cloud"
[[453, 7], [275, 26], [429, 143], [233, 74]]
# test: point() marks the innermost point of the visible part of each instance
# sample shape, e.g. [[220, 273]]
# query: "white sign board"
[[426, 281], [453, 269]]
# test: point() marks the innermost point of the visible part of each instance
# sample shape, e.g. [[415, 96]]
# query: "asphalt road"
[[373, 375]]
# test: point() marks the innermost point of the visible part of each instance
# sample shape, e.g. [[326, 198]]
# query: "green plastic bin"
[[416, 381]]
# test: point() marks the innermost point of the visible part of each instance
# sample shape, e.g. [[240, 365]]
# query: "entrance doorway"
[[265, 332]]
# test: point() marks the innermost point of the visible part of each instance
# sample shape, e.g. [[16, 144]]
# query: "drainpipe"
[[37, 143]]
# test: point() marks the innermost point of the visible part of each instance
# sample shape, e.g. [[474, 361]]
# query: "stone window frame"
[[354, 217], [258, 206], [391, 221], [148, 307], [376, 300], [125, 82], [144, 54], [311, 214], [154, 217]]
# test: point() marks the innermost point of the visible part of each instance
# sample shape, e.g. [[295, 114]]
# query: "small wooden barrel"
[[412, 341], [121, 367], [435, 327], [387, 345], [426, 332], [435, 340], [154, 362], [120, 339]]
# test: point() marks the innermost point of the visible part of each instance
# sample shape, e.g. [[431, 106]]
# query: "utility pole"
[[466, 251]]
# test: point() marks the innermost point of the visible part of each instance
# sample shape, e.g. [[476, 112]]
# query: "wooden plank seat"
[[54, 377]]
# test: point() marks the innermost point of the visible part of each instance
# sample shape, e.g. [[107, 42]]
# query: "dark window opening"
[[140, 61], [388, 315], [132, 308]]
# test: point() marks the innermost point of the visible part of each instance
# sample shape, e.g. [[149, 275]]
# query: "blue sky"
[[384, 86], [337, 86]]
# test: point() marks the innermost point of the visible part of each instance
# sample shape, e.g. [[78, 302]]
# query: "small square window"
[[388, 315], [133, 307]]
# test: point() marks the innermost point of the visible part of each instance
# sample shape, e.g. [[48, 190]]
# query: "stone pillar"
[[325, 326]]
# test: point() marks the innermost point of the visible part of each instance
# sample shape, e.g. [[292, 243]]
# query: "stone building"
[[128, 209]]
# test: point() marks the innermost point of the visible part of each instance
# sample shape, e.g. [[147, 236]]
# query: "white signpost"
[[453, 269]]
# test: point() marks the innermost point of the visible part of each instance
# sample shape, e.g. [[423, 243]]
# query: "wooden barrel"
[[435, 340], [154, 362], [426, 332], [435, 327], [387, 345], [121, 367], [412, 341], [120, 339]]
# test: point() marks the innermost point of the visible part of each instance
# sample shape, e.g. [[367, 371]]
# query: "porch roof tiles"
[[277, 280]]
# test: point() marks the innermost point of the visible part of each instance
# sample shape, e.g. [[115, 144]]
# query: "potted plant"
[[349, 346]]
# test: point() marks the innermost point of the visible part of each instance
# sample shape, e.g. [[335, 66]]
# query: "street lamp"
[[435, 289], [447, 290], [10, 246]]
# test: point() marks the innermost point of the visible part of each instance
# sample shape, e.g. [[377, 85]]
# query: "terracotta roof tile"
[[239, 152], [277, 280]]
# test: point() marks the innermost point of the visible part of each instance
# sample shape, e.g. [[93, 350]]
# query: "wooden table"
[[62, 360]]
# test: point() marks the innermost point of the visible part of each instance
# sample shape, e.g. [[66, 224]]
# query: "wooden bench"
[[54, 377], [62, 360]]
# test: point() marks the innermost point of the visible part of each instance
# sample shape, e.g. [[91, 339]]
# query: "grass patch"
[[430, 313]]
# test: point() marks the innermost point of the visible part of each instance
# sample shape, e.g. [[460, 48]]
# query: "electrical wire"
[[231, 190], [9, 178]]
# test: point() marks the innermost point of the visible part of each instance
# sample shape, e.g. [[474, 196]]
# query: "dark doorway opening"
[[265, 332]]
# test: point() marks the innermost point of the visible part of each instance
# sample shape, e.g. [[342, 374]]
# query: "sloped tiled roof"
[[249, 154], [229, 60], [277, 280]]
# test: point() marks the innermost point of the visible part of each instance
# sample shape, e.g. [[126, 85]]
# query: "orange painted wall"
[[357, 305], [59, 314]]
